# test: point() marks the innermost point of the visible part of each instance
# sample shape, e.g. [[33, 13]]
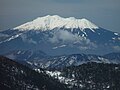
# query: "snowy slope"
[[89, 76], [50, 22]]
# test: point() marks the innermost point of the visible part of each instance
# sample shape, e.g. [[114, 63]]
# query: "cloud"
[[66, 37], [116, 48], [28, 40], [89, 45]]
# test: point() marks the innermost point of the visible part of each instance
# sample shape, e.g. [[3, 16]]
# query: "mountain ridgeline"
[[55, 35], [72, 60]]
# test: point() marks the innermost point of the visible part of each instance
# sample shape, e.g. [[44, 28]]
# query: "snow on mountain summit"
[[50, 22]]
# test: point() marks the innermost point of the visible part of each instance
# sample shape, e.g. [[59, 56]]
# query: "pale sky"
[[104, 13]]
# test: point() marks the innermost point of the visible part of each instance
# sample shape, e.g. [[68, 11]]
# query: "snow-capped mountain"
[[50, 22], [56, 35]]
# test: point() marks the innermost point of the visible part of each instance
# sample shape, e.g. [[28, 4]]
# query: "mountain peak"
[[50, 22]]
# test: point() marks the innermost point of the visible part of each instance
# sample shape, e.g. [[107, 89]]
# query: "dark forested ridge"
[[88, 76], [93, 76], [15, 76]]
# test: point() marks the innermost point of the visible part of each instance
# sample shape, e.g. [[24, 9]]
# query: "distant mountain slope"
[[113, 56], [40, 59], [89, 76], [23, 55], [74, 60], [56, 35], [15, 76]]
